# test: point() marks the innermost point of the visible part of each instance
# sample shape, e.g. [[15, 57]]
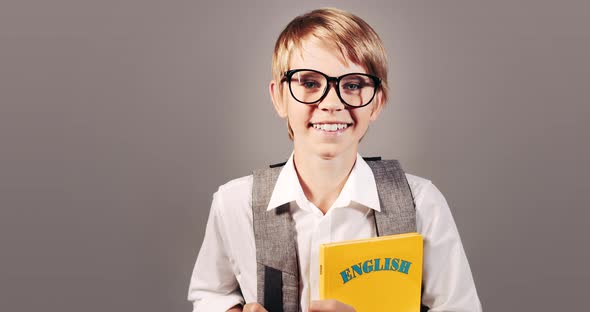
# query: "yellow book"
[[374, 274]]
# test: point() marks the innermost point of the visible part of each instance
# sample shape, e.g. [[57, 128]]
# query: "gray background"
[[119, 119]]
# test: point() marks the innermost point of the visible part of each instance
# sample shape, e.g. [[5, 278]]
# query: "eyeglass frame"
[[289, 74]]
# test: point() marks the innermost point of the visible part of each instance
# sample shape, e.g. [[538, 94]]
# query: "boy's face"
[[303, 117]]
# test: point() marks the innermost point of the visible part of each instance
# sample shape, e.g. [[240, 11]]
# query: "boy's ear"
[[277, 99], [378, 106]]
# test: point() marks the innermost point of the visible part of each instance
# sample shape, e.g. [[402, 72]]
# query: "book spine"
[[322, 279]]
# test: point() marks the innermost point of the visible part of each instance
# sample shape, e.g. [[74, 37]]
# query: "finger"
[[322, 305], [254, 307], [236, 308], [329, 305]]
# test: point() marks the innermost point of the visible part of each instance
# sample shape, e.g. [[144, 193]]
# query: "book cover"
[[374, 274]]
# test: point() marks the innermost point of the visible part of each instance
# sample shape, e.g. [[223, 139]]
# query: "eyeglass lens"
[[310, 86]]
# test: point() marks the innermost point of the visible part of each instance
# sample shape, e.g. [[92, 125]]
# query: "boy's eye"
[[309, 80], [353, 83], [352, 86], [309, 84]]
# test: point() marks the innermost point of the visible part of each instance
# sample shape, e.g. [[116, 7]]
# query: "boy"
[[329, 83]]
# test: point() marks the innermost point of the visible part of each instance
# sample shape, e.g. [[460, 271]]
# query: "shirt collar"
[[360, 187]]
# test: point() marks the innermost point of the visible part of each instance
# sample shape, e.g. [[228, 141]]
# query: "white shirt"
[[226, 262]]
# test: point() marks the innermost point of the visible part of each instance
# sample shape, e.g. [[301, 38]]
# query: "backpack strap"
[[276, 247], [398, 211]]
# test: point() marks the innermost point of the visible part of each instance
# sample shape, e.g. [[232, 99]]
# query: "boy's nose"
[[331, 102]]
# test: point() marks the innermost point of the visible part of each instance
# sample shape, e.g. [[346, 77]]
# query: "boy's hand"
[[329, 305], [236, 308], [254, 307]]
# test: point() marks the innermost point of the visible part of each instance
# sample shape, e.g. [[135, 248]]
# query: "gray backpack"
[[274, 230]]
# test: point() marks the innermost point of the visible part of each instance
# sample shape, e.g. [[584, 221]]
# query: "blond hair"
[[348, 33]]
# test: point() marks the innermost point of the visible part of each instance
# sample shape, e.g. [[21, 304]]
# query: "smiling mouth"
[[330, 127]]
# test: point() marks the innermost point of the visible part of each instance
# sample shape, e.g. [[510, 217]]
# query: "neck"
[[321, 178]]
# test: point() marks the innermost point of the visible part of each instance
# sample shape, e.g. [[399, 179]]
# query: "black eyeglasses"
[[310, 86]]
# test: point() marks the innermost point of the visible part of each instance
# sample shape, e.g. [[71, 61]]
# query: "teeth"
[[330, 127]]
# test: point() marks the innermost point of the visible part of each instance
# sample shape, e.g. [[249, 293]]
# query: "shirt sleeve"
[[213, 285], [447, 279]]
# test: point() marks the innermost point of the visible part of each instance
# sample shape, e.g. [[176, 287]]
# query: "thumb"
[[254, 307]]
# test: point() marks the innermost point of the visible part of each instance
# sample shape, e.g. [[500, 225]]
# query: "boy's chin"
[[331, 151], [327, 150]]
